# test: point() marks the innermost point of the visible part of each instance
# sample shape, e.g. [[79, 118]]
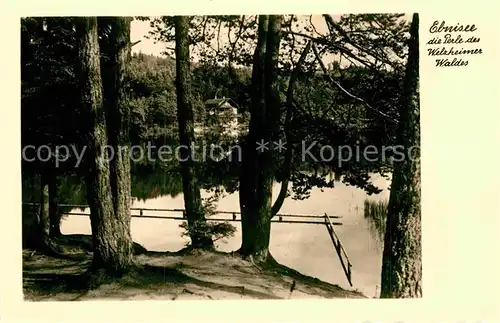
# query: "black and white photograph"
[[224, 157]]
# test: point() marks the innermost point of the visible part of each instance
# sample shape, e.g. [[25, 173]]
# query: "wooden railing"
[[236, 217], [344, 259], [153, 213]]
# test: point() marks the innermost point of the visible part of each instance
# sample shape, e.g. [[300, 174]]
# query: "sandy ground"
[[161, 276]]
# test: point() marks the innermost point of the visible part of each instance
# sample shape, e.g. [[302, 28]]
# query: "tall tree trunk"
[[254, 230], [191, 189], [402, 257], [54, 213], [112, 251], [258, 165], [118, 123]]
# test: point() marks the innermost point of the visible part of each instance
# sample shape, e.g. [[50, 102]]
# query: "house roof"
[[219, 102]]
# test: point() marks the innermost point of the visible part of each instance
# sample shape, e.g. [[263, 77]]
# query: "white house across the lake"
[[223, 113]]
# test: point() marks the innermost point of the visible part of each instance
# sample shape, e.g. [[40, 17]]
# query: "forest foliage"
[[324, 113]]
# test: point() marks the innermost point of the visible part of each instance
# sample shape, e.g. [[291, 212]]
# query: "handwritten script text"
[[451, 44]]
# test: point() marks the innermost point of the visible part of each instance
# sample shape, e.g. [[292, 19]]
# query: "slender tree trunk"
[[191, 189], [38, 231], [112, 251], [44, 219], [258, 166], [287, 162], [402, 257], [54, 214], [30, 215]]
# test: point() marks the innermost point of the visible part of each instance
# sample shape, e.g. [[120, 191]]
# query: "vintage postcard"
[[172, 159]]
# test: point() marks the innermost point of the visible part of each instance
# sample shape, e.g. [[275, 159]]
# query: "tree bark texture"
[[117, 112], [258, 168], [112, 246], [402, 256], [191, 189]]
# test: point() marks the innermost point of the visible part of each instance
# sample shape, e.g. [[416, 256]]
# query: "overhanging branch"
[[288, 118], [338, 85], [333, 45], [331, 23]]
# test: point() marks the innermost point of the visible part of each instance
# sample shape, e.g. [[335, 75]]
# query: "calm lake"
[[304, 247]]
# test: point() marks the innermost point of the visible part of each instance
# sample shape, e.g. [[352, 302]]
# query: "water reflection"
[[304, 247]]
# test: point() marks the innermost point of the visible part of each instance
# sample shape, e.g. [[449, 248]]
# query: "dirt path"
[[172, 276]]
